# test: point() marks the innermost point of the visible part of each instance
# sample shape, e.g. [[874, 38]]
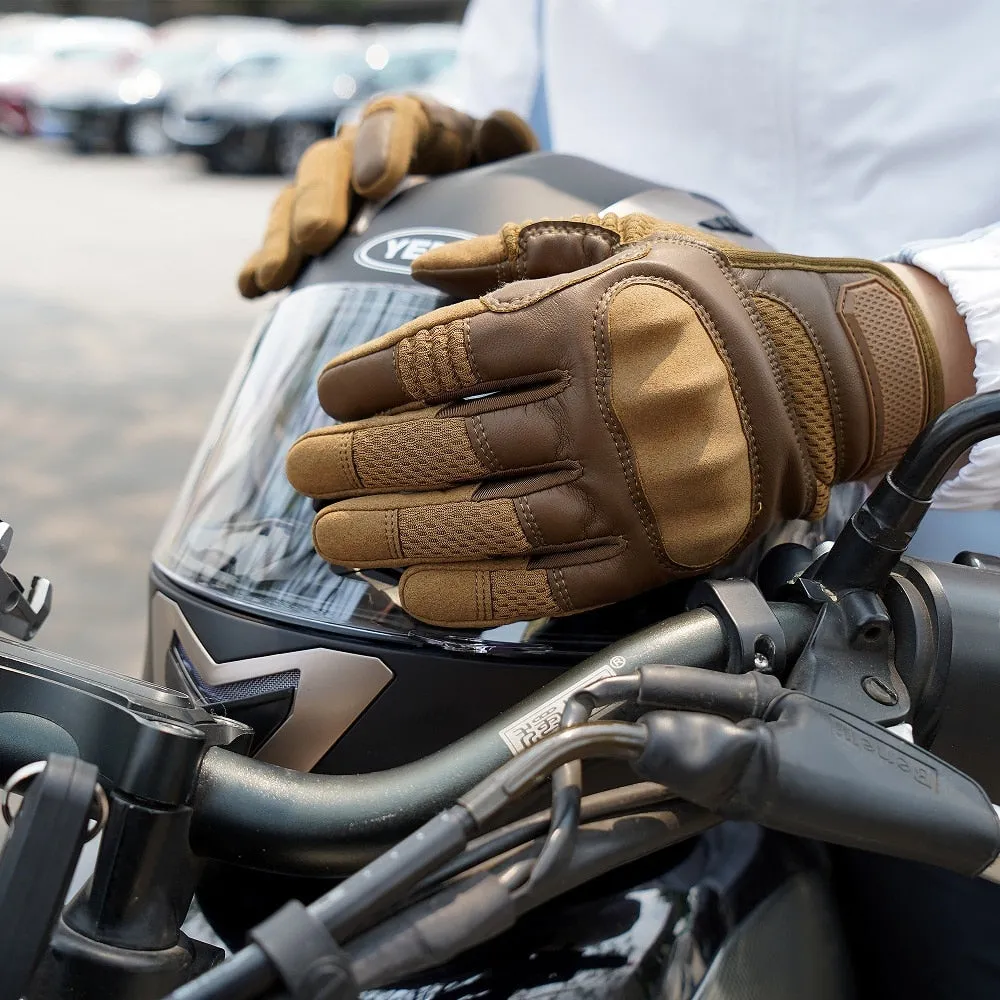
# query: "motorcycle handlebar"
[[263, 816]]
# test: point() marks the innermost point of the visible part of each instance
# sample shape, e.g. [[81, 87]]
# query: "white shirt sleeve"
[[969, 266], [498, 57]]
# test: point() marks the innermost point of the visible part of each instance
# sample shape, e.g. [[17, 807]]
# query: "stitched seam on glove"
[[537, 230], [854, 265], [639, 499], [771, 353]]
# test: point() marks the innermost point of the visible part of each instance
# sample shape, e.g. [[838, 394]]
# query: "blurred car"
[[128, 116], [260, 119], [188, 119], [266, 123], [72, 53], [19, 51]]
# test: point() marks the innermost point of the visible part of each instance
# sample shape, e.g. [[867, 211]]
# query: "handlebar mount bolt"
[[879, 691]]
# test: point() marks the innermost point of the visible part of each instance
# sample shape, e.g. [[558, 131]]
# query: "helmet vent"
[[251, 687]]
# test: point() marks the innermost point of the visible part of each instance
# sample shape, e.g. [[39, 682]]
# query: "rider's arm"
[[968, 267]]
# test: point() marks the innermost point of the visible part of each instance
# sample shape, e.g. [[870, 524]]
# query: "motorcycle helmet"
[[244, 616]]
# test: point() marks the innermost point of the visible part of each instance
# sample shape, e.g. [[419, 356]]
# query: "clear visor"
[[242, 536]]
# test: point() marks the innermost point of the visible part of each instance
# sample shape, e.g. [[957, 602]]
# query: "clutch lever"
[[21, 614], [807, 768]]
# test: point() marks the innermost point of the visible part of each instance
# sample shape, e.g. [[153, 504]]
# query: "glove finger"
[[278, 260], [446, 142], [386, 144], [540, 250], [501, 135], [473, 267], [460, 525], [247, 280], [322, 200], [425, 449], [456, 351], [496, 592]]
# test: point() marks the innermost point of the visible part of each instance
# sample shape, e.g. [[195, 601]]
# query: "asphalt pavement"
[[119, 326]]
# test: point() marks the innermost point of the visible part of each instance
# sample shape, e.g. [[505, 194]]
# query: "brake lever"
[[21, 614], [806, 768]]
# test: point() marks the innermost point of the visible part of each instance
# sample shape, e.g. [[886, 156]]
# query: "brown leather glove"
[[645, 407], [397, 136]]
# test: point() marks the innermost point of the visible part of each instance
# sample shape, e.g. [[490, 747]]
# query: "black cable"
[[567, 781], [868, 548], [613, 802], [621, 740], [349, 909], [606, 844]]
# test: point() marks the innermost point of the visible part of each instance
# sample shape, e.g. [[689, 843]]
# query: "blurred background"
[[141, 145]]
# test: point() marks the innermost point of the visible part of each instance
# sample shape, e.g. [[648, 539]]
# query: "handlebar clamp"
[[754, 636]]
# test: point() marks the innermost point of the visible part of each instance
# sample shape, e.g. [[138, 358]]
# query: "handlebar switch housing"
[[946, 620], [978, 560]]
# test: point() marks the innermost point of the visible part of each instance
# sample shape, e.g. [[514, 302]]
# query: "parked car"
[[263, 118], [266, 120], [62, 53], [189, 118], [128, 117]]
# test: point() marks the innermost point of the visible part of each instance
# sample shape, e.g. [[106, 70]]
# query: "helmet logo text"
[[395, 251]]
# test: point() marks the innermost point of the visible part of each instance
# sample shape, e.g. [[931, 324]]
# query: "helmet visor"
[[240, 535]]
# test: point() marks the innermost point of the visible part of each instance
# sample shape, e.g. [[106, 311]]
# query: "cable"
[[869, 546], [614, 802], [567, 780], [371, 892], [389, 953]]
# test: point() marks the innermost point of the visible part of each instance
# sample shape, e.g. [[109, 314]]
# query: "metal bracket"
[[848, 661], [754, 636], [21, 615]]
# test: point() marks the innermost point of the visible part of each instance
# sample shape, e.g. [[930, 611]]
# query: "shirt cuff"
[[969, 267]]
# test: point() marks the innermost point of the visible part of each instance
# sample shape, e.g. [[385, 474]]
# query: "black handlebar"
[[269, 817]]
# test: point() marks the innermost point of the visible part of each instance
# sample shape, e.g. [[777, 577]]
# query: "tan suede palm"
[[397, 136], [618, 403]]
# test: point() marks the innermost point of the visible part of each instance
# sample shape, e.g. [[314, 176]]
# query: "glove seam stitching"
[[572, 278], [727, 271], [770, 351], [484, 445], [578, 229], [745, 420], [392, 535], [561, 590], [534, 533], [467, 337], [348, 465], [617, 435]]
